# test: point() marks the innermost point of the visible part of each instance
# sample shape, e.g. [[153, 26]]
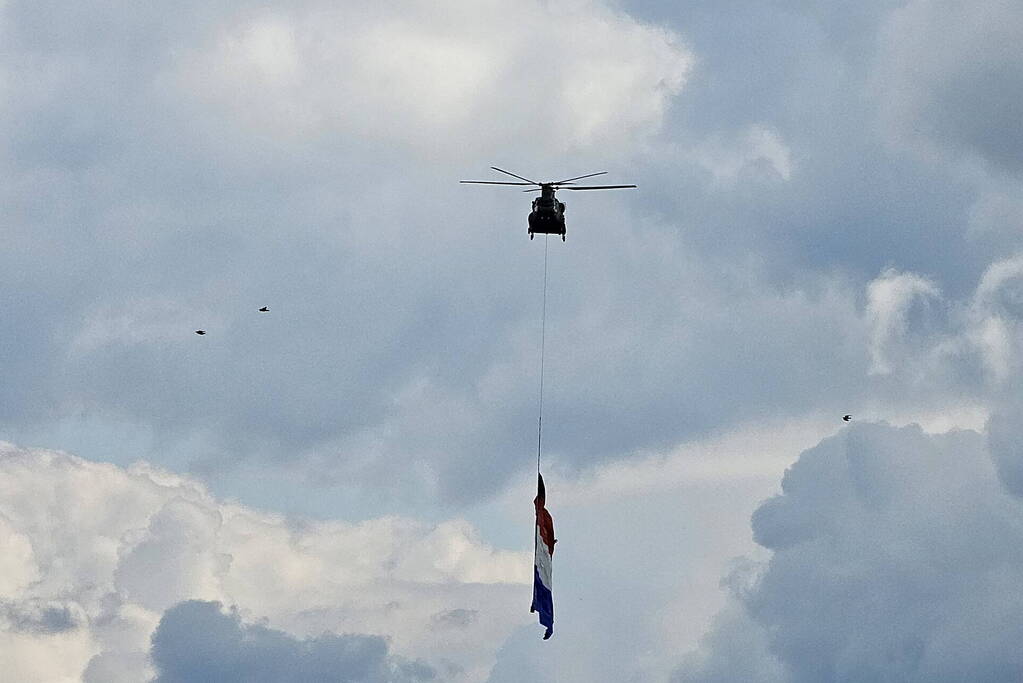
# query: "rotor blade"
[[489, 182], [501, 170], [597, 187], [579, 177]]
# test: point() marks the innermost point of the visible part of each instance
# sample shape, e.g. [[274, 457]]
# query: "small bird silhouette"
[[265, 309], [846, 418], [200, 331]]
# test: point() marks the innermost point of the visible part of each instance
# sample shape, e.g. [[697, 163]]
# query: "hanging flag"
[[543, 601]]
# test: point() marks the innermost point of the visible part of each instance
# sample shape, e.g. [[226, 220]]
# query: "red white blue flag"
[[543, 601]]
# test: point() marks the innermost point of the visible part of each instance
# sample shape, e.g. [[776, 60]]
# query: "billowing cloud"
[[98, 554], [895, 557], [197, 641], [894, 550]]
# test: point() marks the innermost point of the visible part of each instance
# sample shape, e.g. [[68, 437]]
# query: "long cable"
[[543, 338], [539, 419]]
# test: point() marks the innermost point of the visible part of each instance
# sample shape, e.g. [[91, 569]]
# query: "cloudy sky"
[[828, 221]]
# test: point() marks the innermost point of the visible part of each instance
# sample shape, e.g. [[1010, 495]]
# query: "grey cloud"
[[172, 556], [197, 641], [519, 659], [456, 618], [807, 70], [896, 556], [117, 667], [735, 649], [41, 617], [954, 75], [1005, 441]]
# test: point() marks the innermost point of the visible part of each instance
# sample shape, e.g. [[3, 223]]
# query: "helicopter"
[[548, 214]]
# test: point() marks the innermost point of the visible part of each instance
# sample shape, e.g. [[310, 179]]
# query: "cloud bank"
[[895, 557], [100, 558]]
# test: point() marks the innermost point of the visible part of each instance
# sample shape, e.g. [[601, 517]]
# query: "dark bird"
[[200, 331], [846, 418], [265, 309]]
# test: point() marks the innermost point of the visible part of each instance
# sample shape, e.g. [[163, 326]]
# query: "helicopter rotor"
[[492, 182], [579, 177], [501, 170], [581, 187], [567, 184], [596, 187]]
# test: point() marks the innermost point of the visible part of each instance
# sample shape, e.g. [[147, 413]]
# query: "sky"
[[827, 222]]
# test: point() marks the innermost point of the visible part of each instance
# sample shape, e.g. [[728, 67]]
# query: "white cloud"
[[432, 74], [995, 316], [95, 553], [759, 450], [972, 342], [18, 567], [756, 146], [993, 290], [889, 298]]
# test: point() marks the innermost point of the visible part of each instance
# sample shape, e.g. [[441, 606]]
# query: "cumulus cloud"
[[99, 554], [895, 557], [893, 550], [197, 641]]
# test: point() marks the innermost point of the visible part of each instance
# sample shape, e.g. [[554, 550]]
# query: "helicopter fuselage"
[[548, 214]]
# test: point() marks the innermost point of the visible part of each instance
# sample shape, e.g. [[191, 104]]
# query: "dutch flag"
[[543, 602]]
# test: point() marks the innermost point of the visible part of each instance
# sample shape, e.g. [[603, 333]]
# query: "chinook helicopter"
[[548, 214]]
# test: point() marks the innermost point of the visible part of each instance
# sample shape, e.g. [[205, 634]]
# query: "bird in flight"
[[846, 418], [200, 331], [265, 309]]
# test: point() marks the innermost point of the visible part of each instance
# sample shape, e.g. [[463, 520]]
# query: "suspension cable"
[[543, 338]]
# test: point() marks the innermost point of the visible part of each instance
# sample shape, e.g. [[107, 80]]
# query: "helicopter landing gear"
[[562, 238], [530, 235]]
